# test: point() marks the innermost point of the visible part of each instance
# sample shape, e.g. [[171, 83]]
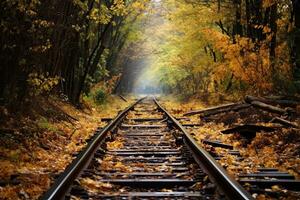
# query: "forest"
[[191, 46], [69, 67]]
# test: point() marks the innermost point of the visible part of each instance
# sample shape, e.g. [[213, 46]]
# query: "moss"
[[43, 123]]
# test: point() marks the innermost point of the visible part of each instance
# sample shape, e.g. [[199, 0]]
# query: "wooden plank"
[[249, 99], [143, 174], [217, 110], [182, 118], [145, 119], [234, 108], [142, 134], [286, 183], [210, 109], [9, 182], [106, 119], [161, 153], [144, 150], [234, 152], [142, 169], [249, 128], [182, 164], [123, 98], [269, 108], [147, 146], [151, 143], [162, 182], [143, 126], [267, 169], [152, 194], [154, 159], [217, 144], [191, 124], [270, 175], [284, 122]]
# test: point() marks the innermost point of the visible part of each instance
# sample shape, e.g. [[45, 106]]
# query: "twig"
[[123, 98]]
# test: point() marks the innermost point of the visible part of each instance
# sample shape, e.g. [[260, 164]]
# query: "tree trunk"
[[237, 26], [296, 46], [273, 26]]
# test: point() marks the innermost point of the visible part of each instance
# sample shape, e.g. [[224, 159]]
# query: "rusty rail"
[[230, 187], [62, 185], [226, 185]]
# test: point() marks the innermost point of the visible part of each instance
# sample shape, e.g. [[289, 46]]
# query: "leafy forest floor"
[[278, 149], [37, 145]]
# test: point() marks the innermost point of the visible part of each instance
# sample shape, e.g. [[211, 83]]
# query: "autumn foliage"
[[218, 47], [60, 47]]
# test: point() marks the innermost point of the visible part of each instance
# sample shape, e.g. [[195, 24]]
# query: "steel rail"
[[229, 187], [61, 186]]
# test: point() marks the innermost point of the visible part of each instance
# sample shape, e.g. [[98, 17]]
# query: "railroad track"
[[144, 153], [259, 180]]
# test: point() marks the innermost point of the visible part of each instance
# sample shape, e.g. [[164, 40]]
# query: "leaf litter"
[[35, 149], [278, 149]]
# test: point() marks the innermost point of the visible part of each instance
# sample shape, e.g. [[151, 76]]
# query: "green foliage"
[[194, 48], [68, 39], [100, 73], [41, 84], [190, 47], [15, 156], [100, 96], [43, 123], [170, 37]]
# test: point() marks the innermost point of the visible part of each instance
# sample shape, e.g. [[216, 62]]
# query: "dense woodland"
[[224, 46], [190, 46], [62, 62], [62, 47]]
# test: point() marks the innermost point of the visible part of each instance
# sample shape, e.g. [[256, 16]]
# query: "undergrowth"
[[37, 143]]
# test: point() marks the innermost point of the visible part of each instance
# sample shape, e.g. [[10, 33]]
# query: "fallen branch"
[[191, 124], [213, 109], [284, 122], [234, 108], [269, 108], [123, 98], [4, 183], [250, 99], [217, 144], [71, 135], [7, 130], [282, 102], [63, 112], [106, 119], [250, 128]]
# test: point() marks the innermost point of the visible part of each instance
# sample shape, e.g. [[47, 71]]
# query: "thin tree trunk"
[[296, 46], [273, 25]]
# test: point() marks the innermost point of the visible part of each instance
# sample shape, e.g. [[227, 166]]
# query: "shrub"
[[41, 84], [43, 123], [100, 96]]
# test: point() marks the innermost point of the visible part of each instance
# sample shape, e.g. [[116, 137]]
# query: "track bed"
[[142, 160], [144, 153]]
